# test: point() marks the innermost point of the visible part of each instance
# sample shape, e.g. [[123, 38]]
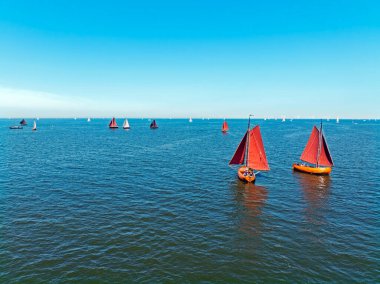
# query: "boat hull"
[[312, 170], [114, 127], [246, 178]]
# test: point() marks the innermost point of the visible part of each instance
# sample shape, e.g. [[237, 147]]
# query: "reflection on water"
[[250, 200], [316, 191]]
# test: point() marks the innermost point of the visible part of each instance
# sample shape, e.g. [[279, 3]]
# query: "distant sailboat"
[[337, 120], [113, 124], [283, 119], [15, 127], [316, 153], [126, 124], [23, 122], [153, 125], [34, 126], [190, 120], [251, 154], [225, 127], [88, 119]]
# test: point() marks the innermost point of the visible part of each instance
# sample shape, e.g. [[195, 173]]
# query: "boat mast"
[[319, 145], [247, 148]]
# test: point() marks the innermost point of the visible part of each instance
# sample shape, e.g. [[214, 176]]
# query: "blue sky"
[[190, 58]]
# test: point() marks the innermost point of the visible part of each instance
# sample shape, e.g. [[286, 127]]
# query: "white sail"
[[126, 124], [190, 120], [337, 120], [34, 126], [88, 119]]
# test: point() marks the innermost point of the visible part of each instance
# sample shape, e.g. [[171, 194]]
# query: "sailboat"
[[225, 127], [153, 125], [88, 119], [126, 124], [34, 126], [251, 154], [113, 124], [190, 120], [316, 153], [337, 120], [23, 122]]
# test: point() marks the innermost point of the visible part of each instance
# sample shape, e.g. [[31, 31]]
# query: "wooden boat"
[[317, 154], [15, 127], [34, 126], [153, 125], [113, 124], [225, 127], [126, 124], [23, 122], [251, 154]]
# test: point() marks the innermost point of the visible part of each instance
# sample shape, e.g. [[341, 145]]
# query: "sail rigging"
[[126, 124], [251, 151], [316, 150], [225, 126], [113, 123], [153, 124]]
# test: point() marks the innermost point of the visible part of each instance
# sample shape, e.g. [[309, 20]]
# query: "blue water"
[[80, 202]]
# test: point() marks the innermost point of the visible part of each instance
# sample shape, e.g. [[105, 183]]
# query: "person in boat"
[[248, 172]]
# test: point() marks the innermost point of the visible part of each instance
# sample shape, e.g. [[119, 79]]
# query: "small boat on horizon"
[[317, 154], [34, 126], [126, 124], [153, 125], [113, 124], [251, 154], [225, 127], [16, 127], [23, 122], [88, 119], [190, 120]]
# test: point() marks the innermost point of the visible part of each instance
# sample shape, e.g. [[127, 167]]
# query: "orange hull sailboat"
[[225, 127], [113, 124], [317, 154], [251, 154]]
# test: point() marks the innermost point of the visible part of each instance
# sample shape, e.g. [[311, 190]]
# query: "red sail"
[[310, 154], [257, 158], [225, 126], [324, 156], [113, 123], [153, 124], [238, 157]]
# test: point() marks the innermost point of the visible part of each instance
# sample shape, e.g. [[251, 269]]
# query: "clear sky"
[[195, 58]]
